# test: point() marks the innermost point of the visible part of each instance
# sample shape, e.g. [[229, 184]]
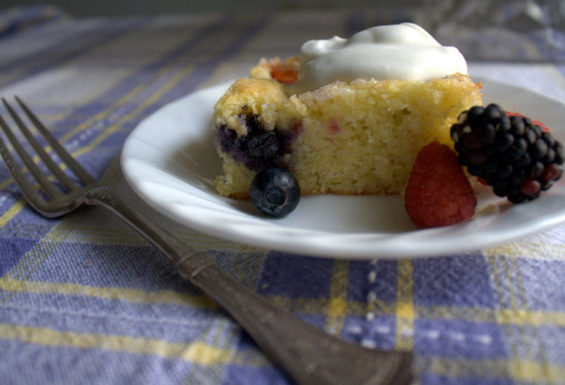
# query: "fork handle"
[[309, 355]]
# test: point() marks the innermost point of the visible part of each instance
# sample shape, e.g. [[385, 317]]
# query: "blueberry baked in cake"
[[346, 116]]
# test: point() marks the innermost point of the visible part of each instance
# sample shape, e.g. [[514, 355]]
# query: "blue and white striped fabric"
[[84, 299]]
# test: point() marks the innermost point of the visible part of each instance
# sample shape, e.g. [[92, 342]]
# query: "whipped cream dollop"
[[403, 51]]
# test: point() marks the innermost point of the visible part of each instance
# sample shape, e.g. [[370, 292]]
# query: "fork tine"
[[27, 188], [40, 177], [84, 176], [49, 162]]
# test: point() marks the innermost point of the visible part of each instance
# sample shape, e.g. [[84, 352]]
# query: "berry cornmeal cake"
[[347, 117]]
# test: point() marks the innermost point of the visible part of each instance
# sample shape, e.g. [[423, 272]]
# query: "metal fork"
[[308, 354]]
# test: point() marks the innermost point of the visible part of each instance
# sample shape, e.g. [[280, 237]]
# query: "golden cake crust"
[[263, 97], [360, 137]]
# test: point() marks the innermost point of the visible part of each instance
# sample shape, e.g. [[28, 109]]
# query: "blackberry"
[[257, 149], [511, 153]]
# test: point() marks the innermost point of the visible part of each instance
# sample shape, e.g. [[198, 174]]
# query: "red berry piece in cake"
[[438, 192], [511, 153], [284, 73]]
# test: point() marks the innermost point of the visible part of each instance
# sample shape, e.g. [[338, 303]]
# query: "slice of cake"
[[347, 116]]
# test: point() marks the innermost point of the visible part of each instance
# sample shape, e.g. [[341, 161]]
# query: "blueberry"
[[275, 192]]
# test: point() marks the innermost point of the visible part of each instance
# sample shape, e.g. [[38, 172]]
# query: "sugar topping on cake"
[[390, 52]]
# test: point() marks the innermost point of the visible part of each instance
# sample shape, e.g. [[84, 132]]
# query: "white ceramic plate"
[[169, 160]]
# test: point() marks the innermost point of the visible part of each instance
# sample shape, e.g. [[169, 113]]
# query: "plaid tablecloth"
[[85, 300]]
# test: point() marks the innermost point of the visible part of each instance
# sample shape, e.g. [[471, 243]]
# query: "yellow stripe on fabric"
[[112, 129], [128, 97], [337, 305], [141, 107], [202, 45], [536, 372], [530, 250], [405, 313], [405, 310], [22, 202], [499, 316], [17, 208], [222, 335], [194, 352], [530, 317], [103, 114], [523, 337], [511, 284], [130, 295], [471, 314], [522, 371], [39, 253], [12, 212], [530, 336], [317, 306], [508, 331]]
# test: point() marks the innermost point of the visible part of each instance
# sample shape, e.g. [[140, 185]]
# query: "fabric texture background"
[[84, 299]]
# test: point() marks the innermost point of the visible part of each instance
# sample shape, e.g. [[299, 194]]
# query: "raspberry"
[[438, 192]]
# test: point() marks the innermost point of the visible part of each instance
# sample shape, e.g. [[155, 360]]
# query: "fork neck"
[[109, 198]]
